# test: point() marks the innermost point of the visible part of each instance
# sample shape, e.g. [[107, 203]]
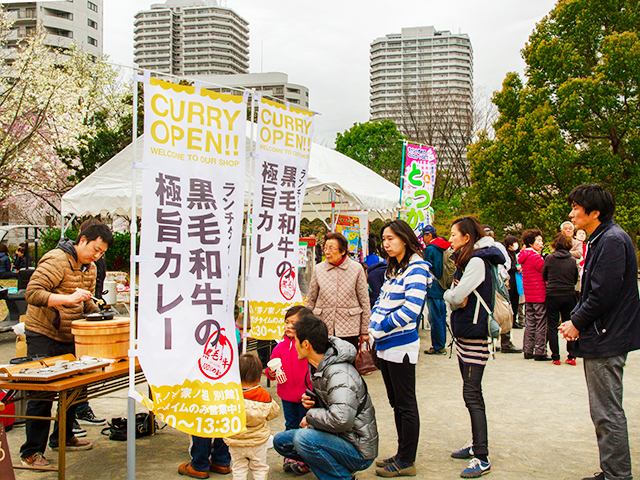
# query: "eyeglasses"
[[329, 248]]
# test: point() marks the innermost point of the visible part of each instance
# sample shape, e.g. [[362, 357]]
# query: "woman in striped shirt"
[[393, 328], [474, 253]]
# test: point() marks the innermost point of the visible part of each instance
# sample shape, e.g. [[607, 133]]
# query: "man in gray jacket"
[[339, 435]]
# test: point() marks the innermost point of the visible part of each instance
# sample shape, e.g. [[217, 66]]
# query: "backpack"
[[448, 269], [501, 317]]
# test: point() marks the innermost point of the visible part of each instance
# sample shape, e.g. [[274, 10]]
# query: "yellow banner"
[[282, 165], [193, 198], [200, 408]]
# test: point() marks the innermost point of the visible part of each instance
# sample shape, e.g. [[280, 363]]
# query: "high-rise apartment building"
[[422, 79], [274, 85], [418, 59], [191, 37], [64, 22]]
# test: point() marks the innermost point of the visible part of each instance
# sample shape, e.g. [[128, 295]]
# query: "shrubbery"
[[117, 256]]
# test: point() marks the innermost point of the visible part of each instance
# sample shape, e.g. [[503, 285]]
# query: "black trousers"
[[558, 306], [37, 431], [473, 399], [400, 381], [355, 340]]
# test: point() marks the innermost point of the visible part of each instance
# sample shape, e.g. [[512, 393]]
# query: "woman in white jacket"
[[474, 255]]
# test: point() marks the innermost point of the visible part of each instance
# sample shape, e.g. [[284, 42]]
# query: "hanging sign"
[[193, 195], [417, 186], [349, 227], [282, 165], [302, 254]]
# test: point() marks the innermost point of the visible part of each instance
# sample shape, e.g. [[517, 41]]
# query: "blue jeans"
[[294, 412], [604, 384], [438, 321], [204, 448], [329, 456]]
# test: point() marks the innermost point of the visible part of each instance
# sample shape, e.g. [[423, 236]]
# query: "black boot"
[[506, 346]]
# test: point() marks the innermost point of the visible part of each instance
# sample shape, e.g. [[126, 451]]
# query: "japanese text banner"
[[282, 164], [191, 231], [417, 186]]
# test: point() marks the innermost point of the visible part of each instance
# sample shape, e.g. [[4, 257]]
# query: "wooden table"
[[69, 391]]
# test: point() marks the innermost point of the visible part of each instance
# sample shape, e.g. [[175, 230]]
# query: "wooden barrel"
[[102, 338]]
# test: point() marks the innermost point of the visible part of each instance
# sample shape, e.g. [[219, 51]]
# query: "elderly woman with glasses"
[[338, 292]]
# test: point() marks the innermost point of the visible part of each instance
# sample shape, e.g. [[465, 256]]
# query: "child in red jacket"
[[296, 373], [535, 330]]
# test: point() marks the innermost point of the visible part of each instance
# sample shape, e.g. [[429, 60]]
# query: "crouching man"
[[339, 435]]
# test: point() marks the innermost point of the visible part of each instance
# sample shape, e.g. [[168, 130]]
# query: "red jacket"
[[296, 371], [534, 286]]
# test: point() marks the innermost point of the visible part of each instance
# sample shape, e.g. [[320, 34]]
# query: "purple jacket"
[[534, 286], [296, 371]]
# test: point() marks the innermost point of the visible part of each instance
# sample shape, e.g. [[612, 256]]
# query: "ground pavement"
[[539, 425]]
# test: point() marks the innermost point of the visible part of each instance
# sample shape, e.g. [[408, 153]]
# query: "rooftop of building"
[[186, 3], [420, 32], [244, 79]]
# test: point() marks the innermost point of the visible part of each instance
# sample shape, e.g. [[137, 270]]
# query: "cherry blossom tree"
[[46, 100]]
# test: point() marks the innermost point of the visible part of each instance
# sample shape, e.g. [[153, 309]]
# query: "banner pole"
[[247, 263], [131, 403], [404, 149]]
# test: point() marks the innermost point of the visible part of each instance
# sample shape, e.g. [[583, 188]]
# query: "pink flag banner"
[[418, 184]]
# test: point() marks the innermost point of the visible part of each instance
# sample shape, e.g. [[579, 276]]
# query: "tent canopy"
[[107, 191]]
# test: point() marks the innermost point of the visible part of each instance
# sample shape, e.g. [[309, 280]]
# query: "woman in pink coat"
[[535, 331], [339, 293]]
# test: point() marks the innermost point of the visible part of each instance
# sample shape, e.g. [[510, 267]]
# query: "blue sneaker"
[[464, 452], [476, 468]]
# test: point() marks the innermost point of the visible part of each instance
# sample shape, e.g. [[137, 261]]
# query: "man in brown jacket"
[[58, 293]]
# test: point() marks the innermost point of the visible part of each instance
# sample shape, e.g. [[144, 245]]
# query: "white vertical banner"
[[282, 165], [193, 195]]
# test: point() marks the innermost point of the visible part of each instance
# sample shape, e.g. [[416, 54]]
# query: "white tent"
[[107, 191]]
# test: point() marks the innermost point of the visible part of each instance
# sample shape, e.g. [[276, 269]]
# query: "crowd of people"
[[586, 290], [9, 267]]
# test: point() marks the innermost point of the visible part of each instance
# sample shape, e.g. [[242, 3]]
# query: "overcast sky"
[[324, 45]]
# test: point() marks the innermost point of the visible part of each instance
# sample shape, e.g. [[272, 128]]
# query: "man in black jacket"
[[606, 323]]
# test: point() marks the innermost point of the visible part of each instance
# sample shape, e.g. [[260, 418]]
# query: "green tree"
[[575, 120], [376, 145], [117, 256]]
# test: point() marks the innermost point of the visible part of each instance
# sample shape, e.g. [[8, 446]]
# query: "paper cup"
[[280, 376], [275, 364]]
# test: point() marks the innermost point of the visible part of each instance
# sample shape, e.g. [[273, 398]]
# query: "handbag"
[[519, 284], [364, 361], [117, 429]]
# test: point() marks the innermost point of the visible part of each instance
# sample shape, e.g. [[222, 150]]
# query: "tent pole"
[[247, 263], [64, 227], [131, 405], [332, 197], [319, 216]]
